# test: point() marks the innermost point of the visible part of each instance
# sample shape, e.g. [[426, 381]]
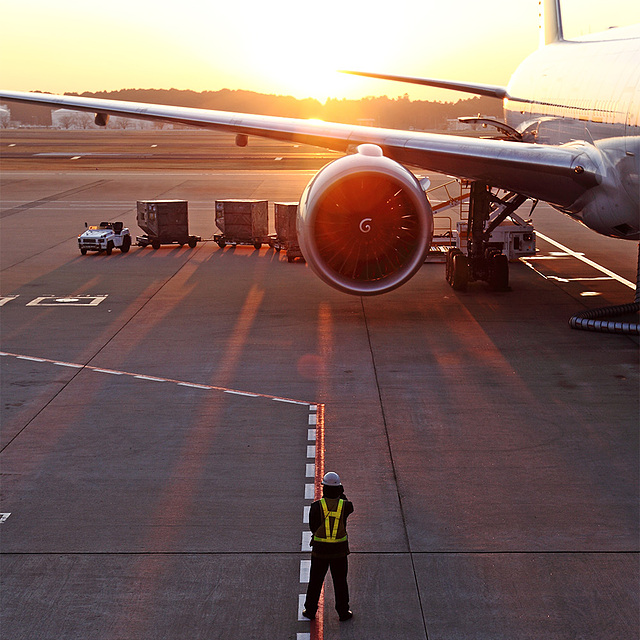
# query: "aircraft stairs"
[[450, 205]]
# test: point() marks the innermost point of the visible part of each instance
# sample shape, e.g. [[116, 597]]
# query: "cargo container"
[[286, 232], [165, 222], [242, 222]]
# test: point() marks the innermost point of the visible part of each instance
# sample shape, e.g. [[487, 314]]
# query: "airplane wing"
[[555, 174], [490, 90]]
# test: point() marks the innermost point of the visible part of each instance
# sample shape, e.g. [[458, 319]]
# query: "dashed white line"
[[305, 514], [3, 517], [193, 385], [242, 393], [305, 568], [68, 364], [30, 358], [311, 451], [140, 377], [301, 599], [113, 373], [311, 434], [309, 491], [311, 470], [313, 419], [306, 541]]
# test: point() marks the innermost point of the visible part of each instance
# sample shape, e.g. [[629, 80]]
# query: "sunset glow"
[[282, 47]]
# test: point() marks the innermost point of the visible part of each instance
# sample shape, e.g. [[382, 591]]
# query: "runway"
[[167, 414]]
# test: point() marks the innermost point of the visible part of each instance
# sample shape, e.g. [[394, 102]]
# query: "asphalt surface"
[[166, 415]]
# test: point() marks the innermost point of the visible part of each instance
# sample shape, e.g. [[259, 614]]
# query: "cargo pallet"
[[286, 233], [165, 222], [242, 222]]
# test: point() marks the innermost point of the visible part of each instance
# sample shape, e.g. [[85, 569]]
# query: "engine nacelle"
[[364, 223]]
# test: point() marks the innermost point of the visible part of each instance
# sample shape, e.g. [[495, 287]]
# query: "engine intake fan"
[[365, 224]]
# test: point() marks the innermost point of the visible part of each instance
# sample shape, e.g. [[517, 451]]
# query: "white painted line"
[[193, 385], [303, 636], [114, 373], [150, 378], [301, 598], [32, 359], [57, 301], [313, 420], [3, 517], [309, 491], [306, 541], [311, 470], [3, 353], [313, 407], [288, 401], [5, 299], [311, 451], [305, 569], [311, 434], [591, 263], [68, 364], [305, 514], [242, 393]]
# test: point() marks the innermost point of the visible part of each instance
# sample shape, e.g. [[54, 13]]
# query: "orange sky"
[[283, 46]]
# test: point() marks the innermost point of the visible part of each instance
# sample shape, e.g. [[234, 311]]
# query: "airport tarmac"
[[166, 416]]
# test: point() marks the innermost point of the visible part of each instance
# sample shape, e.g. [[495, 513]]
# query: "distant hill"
[[381, 111]]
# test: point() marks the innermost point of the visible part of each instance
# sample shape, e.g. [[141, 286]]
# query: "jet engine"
[[364, 223]]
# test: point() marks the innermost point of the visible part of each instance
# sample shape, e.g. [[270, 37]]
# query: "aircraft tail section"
[[550, 22]]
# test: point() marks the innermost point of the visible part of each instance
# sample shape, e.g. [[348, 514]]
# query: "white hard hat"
[[331, 479]]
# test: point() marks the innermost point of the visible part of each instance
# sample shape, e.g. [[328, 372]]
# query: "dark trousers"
[[339, 568]]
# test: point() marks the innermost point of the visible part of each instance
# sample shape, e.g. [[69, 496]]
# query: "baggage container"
[[165, 222], [242, 222], [286, 231]]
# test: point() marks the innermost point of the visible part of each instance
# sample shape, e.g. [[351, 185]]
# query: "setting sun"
[[282, 47]]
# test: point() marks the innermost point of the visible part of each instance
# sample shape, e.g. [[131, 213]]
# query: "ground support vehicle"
[[242, 222], [106, 237], [165, 222], [286, 236]]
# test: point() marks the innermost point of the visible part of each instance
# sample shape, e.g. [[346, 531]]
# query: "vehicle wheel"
[[499, 272], [126, 244], [192, 242], [257, 245], [109, 248], [222, 244], [155, 244], [459, 272], [449, 264], [83, 252]]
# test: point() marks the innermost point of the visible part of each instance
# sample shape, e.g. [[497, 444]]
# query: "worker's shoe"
[[346, 616], [308, 614]]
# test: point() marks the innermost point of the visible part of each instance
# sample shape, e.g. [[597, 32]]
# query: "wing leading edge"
[[555, 174]]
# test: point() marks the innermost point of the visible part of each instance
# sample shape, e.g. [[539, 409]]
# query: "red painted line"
[[317, 629]]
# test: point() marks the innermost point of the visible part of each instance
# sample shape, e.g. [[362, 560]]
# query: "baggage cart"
[[286, 232], [165, 222], [242, 222]]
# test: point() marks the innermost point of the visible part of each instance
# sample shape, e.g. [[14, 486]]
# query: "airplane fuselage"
[[588, 90]]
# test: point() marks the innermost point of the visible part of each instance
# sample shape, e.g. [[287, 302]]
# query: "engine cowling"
[[364, 223]]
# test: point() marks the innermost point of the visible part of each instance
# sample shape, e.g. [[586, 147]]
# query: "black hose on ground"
[[590, 320]]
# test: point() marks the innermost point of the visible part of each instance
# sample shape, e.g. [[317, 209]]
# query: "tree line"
[[382, 111]]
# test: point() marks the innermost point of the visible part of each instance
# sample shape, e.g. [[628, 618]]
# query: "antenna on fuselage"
[[550, 22]]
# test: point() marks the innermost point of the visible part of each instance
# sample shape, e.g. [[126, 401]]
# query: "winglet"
[[550, 22]]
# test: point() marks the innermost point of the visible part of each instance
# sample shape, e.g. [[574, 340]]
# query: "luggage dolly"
[[155, 242]]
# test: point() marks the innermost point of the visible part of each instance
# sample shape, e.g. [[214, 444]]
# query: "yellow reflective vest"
[[332, 528]]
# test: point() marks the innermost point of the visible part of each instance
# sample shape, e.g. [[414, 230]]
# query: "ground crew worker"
[[330, 547]]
